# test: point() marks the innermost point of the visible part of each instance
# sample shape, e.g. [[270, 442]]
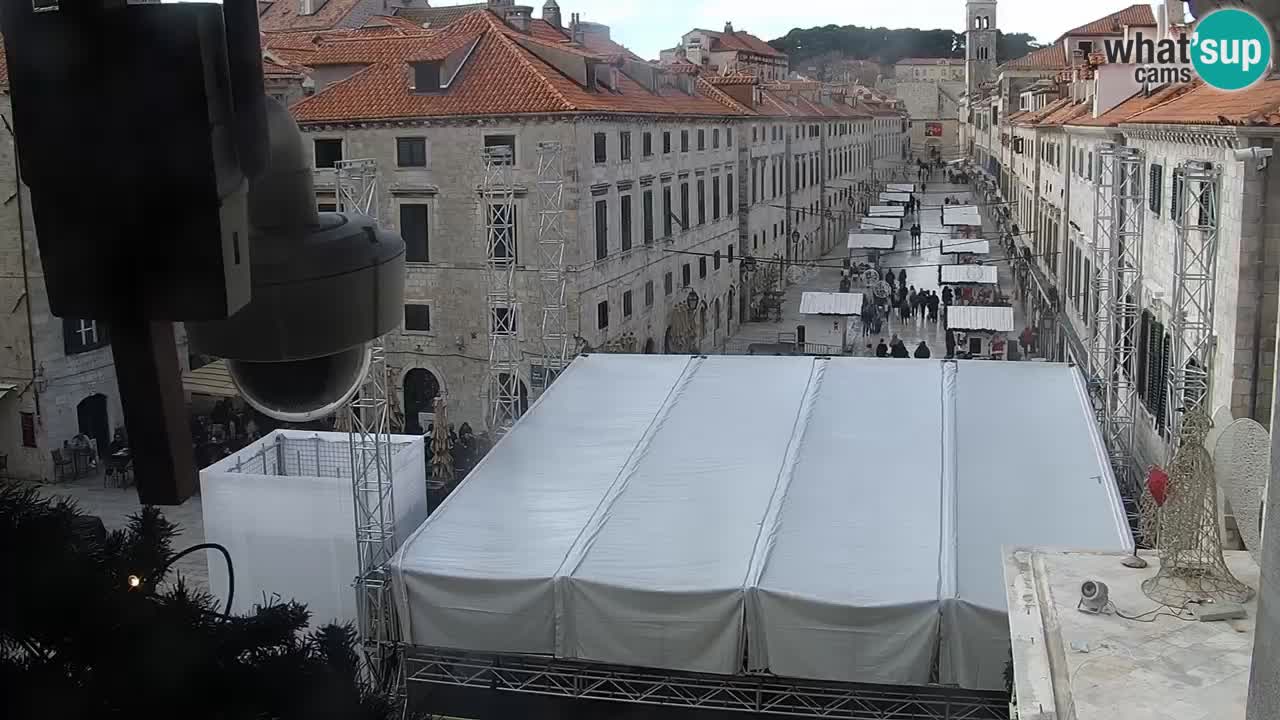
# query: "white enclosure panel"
[[968, 274], [871, 240], [660, 581], [900, 187], [869, 611], [887, 211], [881, 223], [980, 317], [479, 573], [826, 303]]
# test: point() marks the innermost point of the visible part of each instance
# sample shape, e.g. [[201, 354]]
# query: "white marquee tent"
[[723, 512], [871, 240], [881, 223]]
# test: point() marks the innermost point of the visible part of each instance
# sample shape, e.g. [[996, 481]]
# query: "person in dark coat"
[[882, 350], [951, 344], [947, 295], [902, 279], [922, 351], [933, 307], [900, 350]]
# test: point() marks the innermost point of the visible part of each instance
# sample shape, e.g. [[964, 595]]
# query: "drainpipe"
[[26, 275], [1260, 270]]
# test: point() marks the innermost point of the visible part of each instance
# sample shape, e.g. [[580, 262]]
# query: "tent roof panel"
[[871, 240], [887, 211], [968, 274], [828, 303], [978, 317], [881, 223]]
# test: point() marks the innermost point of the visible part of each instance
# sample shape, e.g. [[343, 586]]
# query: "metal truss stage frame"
[[763, 695]]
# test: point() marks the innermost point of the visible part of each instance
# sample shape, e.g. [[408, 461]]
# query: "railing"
[[760, 347]]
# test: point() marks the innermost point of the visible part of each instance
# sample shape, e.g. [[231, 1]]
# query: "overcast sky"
[[647, 26]]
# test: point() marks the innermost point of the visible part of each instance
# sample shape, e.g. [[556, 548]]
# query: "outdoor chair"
[[63, 467]]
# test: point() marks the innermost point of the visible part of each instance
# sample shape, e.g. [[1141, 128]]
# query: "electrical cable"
[[1159, 612], [231, 573]]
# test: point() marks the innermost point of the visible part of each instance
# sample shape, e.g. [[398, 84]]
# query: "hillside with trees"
[[886, 46]]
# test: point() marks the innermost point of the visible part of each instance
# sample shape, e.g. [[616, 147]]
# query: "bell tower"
[[980, 43]]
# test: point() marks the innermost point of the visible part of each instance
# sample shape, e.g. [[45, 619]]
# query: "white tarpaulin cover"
[[961, 246], [726, 510], [872, 240], [886, 211], [891, 197], [967, 273], [980, 317], [881, 223], [829, 303], [961, 216], [900, 187]]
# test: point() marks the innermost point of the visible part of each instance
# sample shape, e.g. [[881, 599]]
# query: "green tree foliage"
[[78, 641], [889, 46]]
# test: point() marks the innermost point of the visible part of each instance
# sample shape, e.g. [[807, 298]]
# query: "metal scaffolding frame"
[[574, 680], [497, 195], [1196, 186], [1118, 224], [356, 186], [551, 275]]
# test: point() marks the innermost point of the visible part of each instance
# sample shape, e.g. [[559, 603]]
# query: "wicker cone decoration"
[[1190, 544], [441, 456]]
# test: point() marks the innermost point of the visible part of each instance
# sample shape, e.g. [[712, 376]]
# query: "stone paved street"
[[922, 273]]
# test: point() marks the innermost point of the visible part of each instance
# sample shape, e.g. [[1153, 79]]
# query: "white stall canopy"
[[968, 274], [892, 197], [714, 511], [900, 187], [881, 223], [961, 216], [965, 246], [829, 303], [886, 211], [871, 241], [978, 317]]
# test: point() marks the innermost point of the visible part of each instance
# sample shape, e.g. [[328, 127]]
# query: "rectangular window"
[[715, 260], [626, 222], [503, 147], [411, 152], [715, 138], [702, 267], [417, 318], [328, 152], [602, 229], [646, 144], [413, 228], [1154, 191], [666, 142], [666, 211], [83, 335], [648, 217], [28, 421], [702, 201], [684, 206], [601, 147], [667, 284], [1175, 196], [686, 276], [715, 197], [730, 208], [684, 141], [504, 238], [624, 146], [730, 253], [327, 207], [502, 321], [728, 137], [648, 294], [602, 314], [626, 304], [702, 139]]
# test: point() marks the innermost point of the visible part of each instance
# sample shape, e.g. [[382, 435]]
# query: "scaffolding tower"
[[368, 422], [551, 275], [497, 193], [1118, 218], [1196, 188]]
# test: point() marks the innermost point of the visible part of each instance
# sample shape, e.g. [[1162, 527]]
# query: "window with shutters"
[[624, 146], [626, 304], [648, 294], [702, 139], [715, 260], [686, 276], [684, 206], [729, 206], [1175, 196], [602, 314], [602, 229], [413, 228], [666, 211], [702, 201], [702, 268], [668, 286], [684, 141], [626, 222], [646, 144], [411, 152], [715, 138], [601, 142], [1144, 355], [647, 209], [666, 142], [1155, 190], [730, 253], [715, 197], [28, 421]]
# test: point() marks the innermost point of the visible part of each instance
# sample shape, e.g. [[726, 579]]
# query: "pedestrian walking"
[[922, 351], [902, 278], [1026, 339], [947, 295]]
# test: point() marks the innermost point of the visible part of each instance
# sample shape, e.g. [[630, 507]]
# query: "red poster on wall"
[[933, 129]]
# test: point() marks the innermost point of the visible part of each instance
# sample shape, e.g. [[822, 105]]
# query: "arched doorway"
[[420, 390], [91, 415], [650, 347], [666, 341]]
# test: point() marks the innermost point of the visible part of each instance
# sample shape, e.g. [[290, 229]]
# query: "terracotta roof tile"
[[1066, 113], [283, 15], [1204, 105], [1132, 106], [741, 41], [1050, 57], [1115, 23], [439, 17], [1034, 117], [735, 79]]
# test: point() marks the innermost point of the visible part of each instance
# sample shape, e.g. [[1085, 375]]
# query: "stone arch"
[[420, 387]]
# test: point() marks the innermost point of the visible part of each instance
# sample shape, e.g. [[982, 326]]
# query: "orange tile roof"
[[1132, 106], [500, 77], [1066, 113], [1034, 117], [1050, 57], [1115, 23], [741, 41], [439, 17], [283, 15], [1204, 105], [735, 79]]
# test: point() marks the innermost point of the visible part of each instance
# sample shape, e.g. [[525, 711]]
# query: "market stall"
[[980, 331]]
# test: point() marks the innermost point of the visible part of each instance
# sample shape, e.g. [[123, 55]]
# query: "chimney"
[[575, 30], [728, 28], [551, 12], [310, 7], [519, 17]]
